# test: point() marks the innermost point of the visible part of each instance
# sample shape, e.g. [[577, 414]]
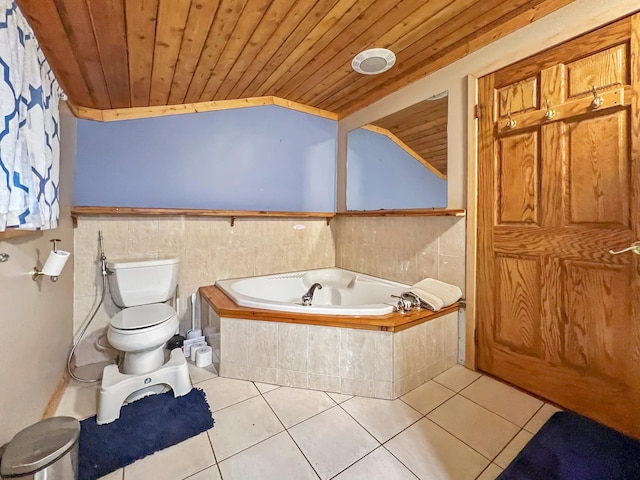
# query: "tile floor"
[[461, 425]]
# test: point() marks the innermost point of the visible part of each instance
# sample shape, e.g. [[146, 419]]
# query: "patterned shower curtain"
[[29, 128]]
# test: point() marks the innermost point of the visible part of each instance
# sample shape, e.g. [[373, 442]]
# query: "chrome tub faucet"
[[307, 298], [407, 301]]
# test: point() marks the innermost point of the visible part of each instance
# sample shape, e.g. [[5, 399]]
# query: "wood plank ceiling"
[[423, 128], [135, 53]]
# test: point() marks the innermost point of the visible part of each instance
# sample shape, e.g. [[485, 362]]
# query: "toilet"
[[140, 331]]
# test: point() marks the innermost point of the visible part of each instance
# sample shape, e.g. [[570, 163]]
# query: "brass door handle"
[[634, 248]]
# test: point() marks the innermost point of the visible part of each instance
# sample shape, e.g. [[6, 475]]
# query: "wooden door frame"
[[472, 222]]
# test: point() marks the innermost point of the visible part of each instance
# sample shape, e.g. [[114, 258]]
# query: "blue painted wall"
[[261, 158], [380, 174]]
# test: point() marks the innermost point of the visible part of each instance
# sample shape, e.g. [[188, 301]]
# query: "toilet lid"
[[142, 316]]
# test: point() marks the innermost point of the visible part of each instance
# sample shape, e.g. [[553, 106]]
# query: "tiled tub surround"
[[404, 249], [209, 250], [343, 360]]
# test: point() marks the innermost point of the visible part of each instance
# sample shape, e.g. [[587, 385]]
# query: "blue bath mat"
[[572, 447], [144, 427]]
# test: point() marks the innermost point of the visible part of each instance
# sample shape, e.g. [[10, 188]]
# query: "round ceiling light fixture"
[[373, 61]]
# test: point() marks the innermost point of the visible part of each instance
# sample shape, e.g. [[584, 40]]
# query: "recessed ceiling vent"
[[373, 61]]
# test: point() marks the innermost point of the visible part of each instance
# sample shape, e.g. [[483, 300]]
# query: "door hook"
[[597, 99], [550, 113], [511, 123]]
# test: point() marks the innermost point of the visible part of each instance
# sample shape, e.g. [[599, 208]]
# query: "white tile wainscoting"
[[350, 361]]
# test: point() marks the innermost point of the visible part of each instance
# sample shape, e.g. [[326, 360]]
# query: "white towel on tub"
[[436, 294]]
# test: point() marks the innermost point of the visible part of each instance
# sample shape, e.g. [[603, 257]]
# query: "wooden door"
[[558, 187]]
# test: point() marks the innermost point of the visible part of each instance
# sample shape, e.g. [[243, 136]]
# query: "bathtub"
[[343, 292]]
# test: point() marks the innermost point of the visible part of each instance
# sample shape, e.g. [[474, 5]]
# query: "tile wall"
[[342, 360], [422, 352], [209, 250], [404, 249]]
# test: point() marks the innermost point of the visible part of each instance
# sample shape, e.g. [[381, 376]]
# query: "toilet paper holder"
[[54, 264]]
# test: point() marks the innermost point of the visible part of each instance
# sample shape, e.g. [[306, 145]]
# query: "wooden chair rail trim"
[[406, 148], [391, 322], [583, 106], [116, 114], [188, 212]]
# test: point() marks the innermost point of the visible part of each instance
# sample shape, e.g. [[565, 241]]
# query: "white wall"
[[565, 23], [36, 320]]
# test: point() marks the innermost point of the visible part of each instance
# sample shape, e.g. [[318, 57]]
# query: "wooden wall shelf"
[[231, 214], [234, 214], [14, 233], [413, 212]]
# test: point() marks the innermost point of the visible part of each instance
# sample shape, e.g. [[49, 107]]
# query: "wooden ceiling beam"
[[186, 108]]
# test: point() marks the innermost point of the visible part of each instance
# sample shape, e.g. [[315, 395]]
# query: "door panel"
[[519, 301], [598, 170], [602, 70], [557, 314], [518, 167], [518, 173], [518, 97], [592, 341]]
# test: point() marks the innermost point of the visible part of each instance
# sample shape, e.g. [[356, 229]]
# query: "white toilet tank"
[[137, 282]]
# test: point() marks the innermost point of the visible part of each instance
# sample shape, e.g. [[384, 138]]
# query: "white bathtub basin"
[[343, 292]]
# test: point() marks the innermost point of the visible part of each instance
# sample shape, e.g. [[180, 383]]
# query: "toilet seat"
[[146, 329], [134, 319]]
